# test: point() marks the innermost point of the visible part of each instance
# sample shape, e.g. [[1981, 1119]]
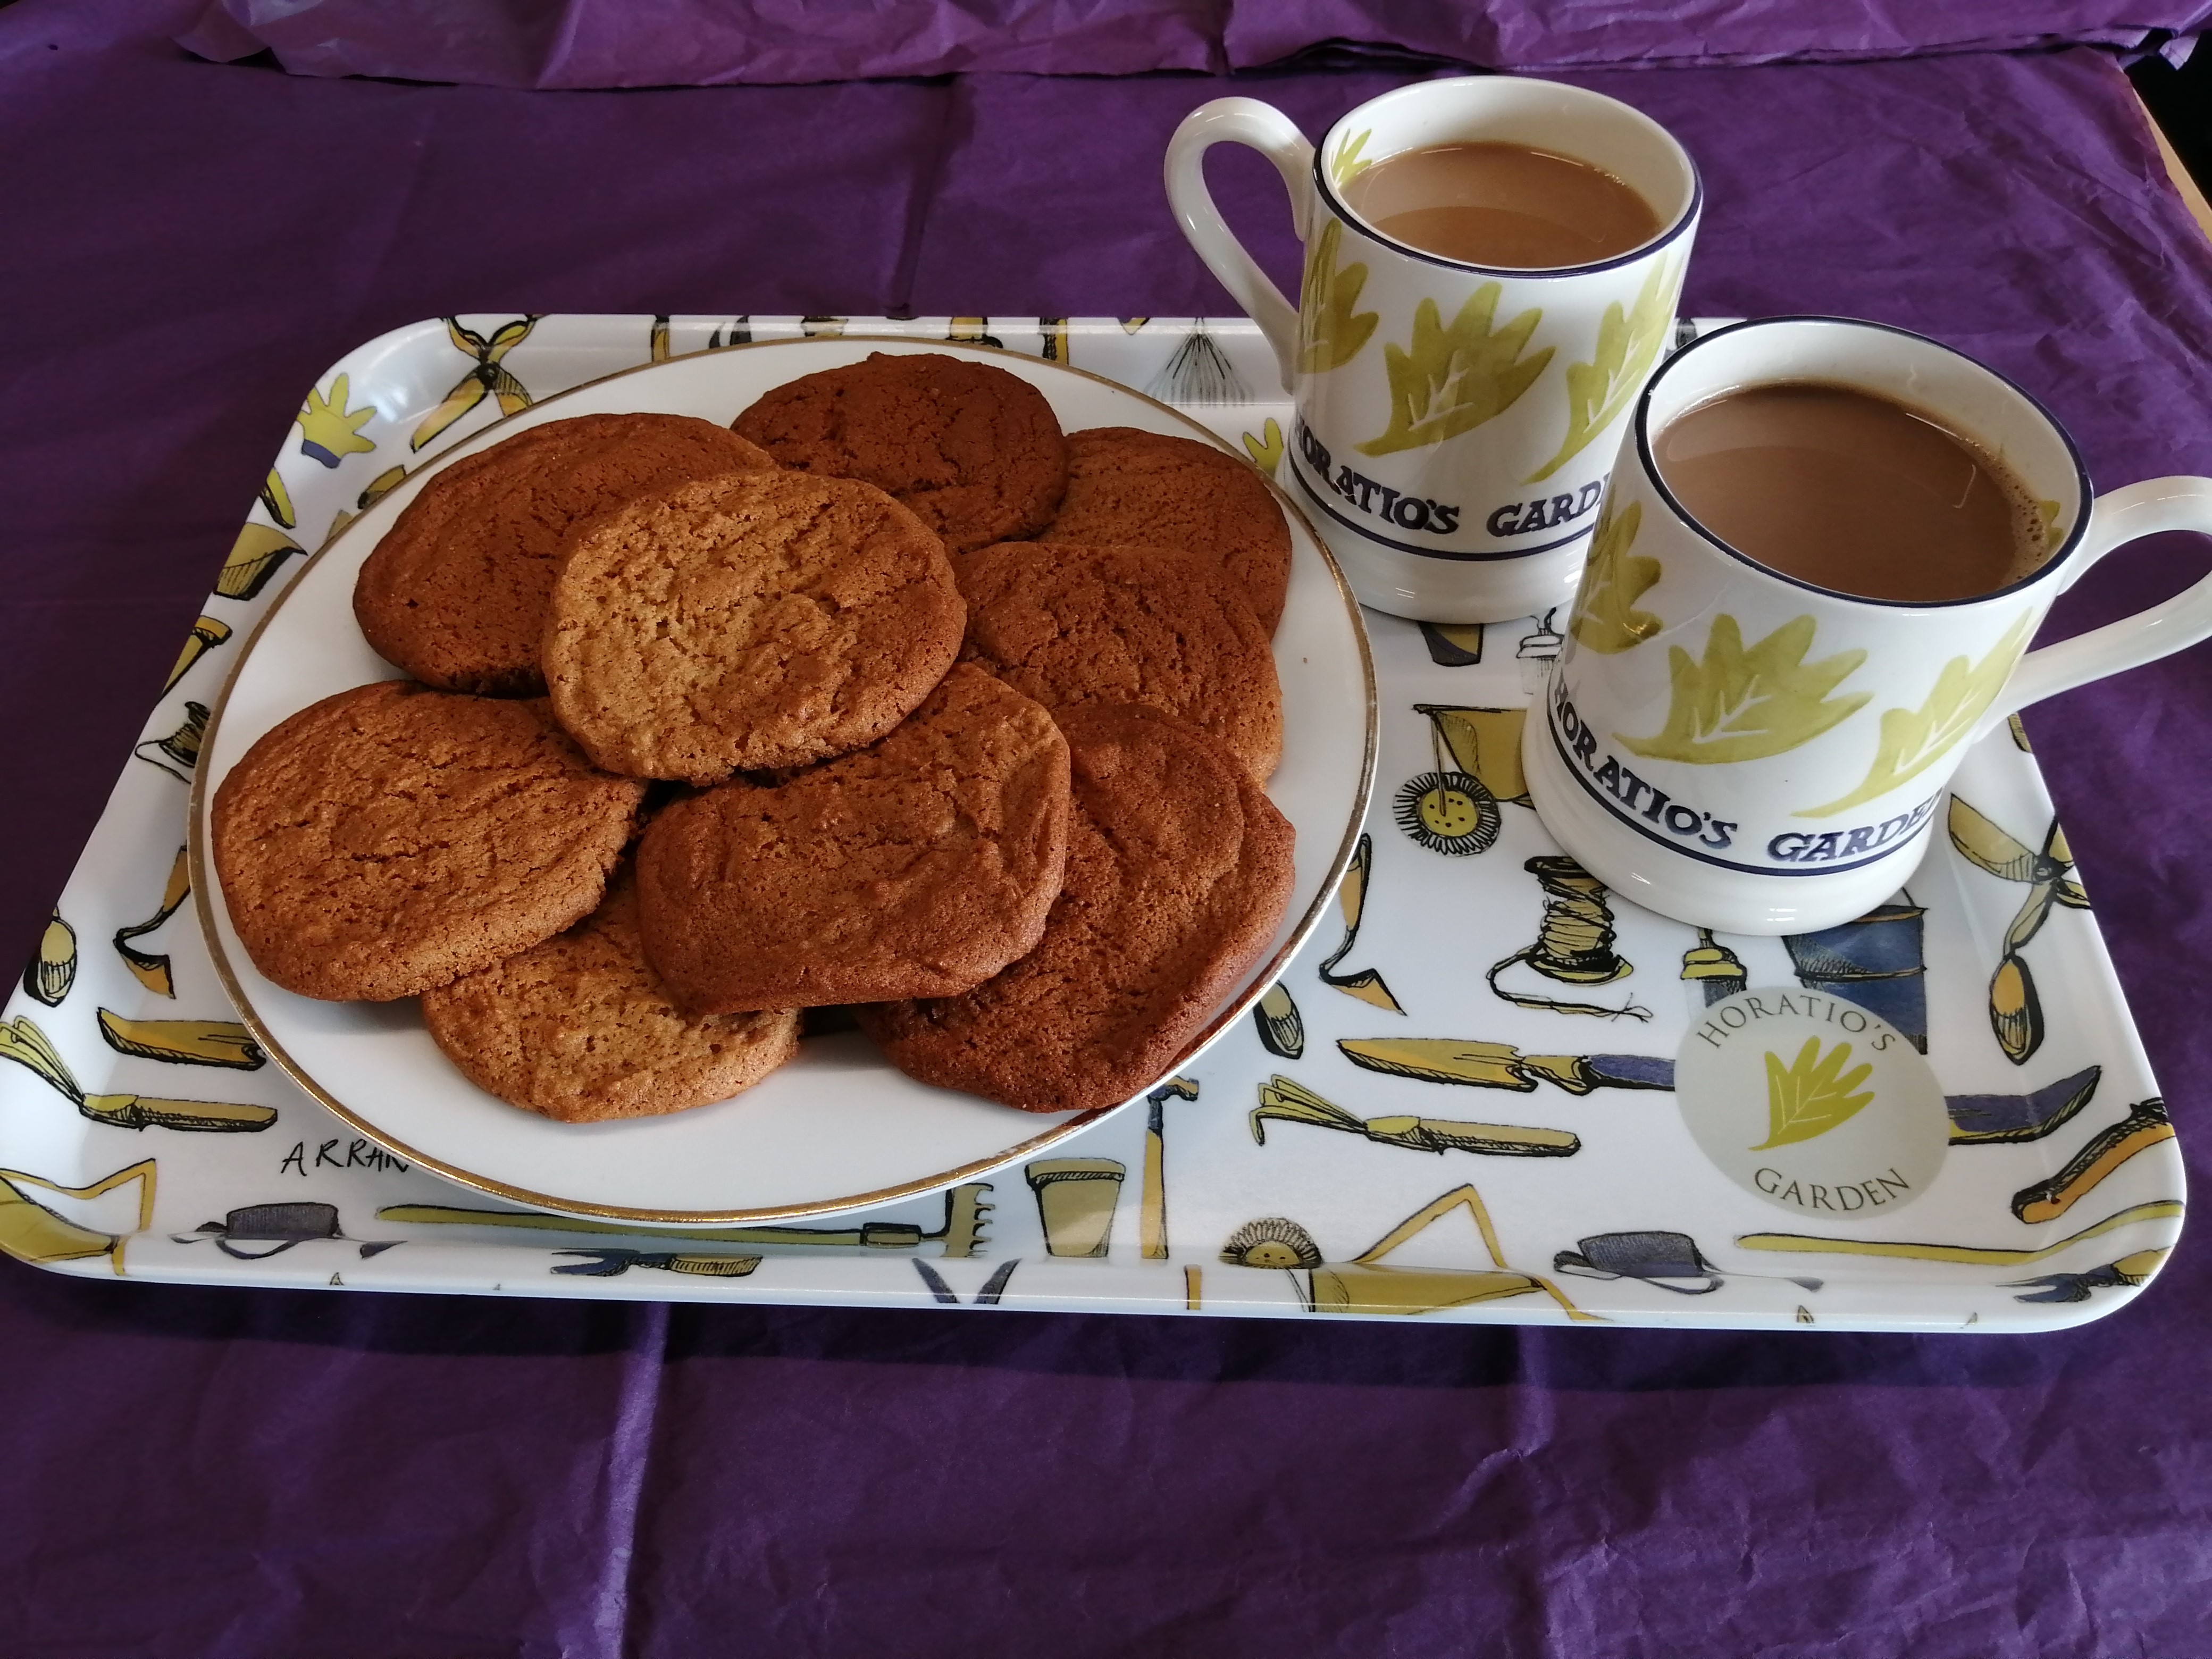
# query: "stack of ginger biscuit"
[[890, 696]]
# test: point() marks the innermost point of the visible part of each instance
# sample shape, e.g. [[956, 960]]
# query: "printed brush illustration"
[[490, 378], [51, 969], [967, 1219], [1199, 374], [27, 1045], [1450, 380], [329, 431], [150, 970], [1368, 1284], [1976, 1120], [2015, 1010], [1574, 944], [1454, 810], [1332, 328], [1605, 617], [1284, 1100], [1747, 703], [1366, 983], [32, 1231], [1914, 739], [1627, 346]]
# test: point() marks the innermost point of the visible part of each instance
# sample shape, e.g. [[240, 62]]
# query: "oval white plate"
[[838, 1127]]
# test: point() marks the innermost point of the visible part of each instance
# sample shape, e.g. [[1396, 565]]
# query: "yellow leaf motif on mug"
[[1746, 703], [1448, 380], [1332, 328], [1627, 346], [1348, 164], [1605, 617], [1812, 1095], [1914, 739]]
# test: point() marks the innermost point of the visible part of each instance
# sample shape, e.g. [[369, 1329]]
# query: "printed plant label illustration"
[[1741, 702], [1450, 380]]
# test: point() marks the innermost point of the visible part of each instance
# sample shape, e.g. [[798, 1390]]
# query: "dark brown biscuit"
[[1178, 874], [456, 592], [918, 867], [392, 838], [1128, 486], [753, 621], [1070, 625], [579, 1028], [976, 451]]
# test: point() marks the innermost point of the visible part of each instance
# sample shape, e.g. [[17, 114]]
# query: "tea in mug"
[[1509, 206]]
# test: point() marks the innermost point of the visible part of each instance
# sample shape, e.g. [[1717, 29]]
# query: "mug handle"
[[1276, 135], [2124, 516]]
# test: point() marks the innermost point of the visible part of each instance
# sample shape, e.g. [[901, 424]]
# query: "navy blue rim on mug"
[[1641, 425], [1682, 222]]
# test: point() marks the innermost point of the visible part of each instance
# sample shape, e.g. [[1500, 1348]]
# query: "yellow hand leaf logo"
[[1331, 326], [1914, 739], [1450, 380], [1605, 617], [1813, 1094], [1747, 703], [1627, 346]]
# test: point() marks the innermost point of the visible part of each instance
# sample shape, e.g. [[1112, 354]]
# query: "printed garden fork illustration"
[[2015, 1010]]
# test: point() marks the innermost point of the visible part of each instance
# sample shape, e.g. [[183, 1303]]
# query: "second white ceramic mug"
[[1737, 748], [1455, 423]]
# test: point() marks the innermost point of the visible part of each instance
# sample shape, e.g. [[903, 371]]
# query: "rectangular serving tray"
[[1532, 1168]]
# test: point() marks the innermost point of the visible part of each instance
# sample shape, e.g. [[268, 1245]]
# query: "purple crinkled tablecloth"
[[196, 1472], [655, 43]]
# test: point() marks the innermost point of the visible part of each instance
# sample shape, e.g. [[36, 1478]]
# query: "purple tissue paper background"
[[651, 43], [195, 1472]]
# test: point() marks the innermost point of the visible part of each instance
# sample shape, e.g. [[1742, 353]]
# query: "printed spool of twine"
[[1574, 942]]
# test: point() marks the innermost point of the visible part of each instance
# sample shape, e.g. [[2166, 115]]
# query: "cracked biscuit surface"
[[391, 838], [919, 867], [456, 592], [1071, 625], [975, 451], [1179, 870], [1150, 489], [751, 621], [580, 1029]]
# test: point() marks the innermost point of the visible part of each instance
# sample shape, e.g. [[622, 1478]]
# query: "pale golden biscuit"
[[456, 593], [975, 451], [919, 867], [753, 621], [1070, 625], [1178, 874], [391, 838], [1129, 486], [580, 1029]]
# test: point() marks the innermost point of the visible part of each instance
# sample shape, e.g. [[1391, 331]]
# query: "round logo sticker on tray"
[[1821, 1106]]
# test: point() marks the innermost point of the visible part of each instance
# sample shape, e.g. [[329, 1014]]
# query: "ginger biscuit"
[[1145, 488], [391, 838], [456, 593], [919, 867], [975, 451], [1178, 874], [1070, 625], [753, 621], [579, 1028]]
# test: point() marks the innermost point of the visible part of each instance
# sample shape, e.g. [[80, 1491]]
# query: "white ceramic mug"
[[1741, 750], [1455, 422]]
